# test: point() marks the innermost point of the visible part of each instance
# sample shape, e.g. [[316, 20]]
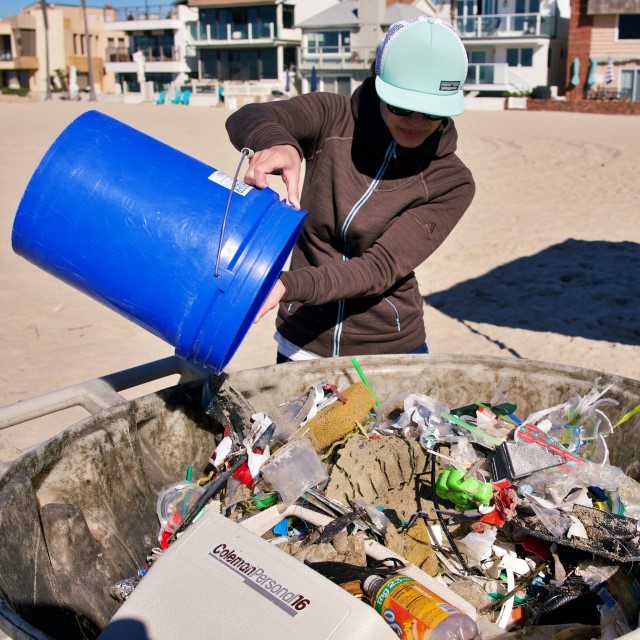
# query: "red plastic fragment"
[[537, 546]]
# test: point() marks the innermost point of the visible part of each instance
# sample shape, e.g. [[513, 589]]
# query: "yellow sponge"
[[334, 422]]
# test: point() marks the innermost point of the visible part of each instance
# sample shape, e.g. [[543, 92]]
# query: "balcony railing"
[[118, 54], [151, 54], [506, 25], [201, 31], [337, 57], [146, 12], [605, 93], [496, 74]]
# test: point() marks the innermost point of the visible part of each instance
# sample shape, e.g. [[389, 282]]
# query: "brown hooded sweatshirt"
[[376, 211]]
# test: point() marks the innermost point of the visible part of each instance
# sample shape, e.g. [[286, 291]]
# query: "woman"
[[383, 188]]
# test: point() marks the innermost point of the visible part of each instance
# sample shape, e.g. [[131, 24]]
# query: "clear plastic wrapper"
[[476, 545]]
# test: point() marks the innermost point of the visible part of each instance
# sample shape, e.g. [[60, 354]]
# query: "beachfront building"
[[18, 56], [339, 44], [250, 47], [514, 46], [604, 50], [67, 44], [155, 54]]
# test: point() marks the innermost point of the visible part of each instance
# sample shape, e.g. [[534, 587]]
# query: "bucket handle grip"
[[245, 152]]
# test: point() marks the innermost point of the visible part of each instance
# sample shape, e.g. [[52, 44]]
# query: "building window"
[[343, 85], [28, 42], [527, 6], [289, 56], [5, 48], [465, 22], [160, 81], [239, 64], [154, 47], [328, 42], [221, 24], [520, 57], [630, 84], [287, 16], [629, 26]]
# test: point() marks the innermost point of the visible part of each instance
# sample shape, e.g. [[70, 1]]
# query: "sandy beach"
[[545, 265]]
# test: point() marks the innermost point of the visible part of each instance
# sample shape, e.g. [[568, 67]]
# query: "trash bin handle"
[[245, 152], [100, 393]]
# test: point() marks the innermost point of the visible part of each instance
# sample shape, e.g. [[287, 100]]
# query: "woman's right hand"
[[272, 301], [282, 159]]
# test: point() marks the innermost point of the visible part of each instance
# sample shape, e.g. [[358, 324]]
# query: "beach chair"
[[186, 94], [177, 99], [162, 96]]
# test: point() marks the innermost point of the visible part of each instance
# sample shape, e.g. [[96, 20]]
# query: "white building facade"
[[157, 48], [513, 45]]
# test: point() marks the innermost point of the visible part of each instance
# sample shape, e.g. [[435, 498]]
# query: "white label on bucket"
[[241, 188]]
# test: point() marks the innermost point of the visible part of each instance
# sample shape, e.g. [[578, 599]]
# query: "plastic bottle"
[[415, 613]]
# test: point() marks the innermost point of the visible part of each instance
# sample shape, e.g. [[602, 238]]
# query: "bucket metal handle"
[[245, 152]]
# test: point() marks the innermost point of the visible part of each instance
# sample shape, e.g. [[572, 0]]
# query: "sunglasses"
[[398, 111]]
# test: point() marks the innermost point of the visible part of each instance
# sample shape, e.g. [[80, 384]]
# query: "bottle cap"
[[370, 584]]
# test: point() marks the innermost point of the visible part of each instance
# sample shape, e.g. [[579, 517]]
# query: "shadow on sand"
[[588, 289]]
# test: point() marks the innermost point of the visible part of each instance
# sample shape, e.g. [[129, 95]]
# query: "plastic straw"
[[453, 461], [471, 428], [626, 416], [367, 384], [185, 500]]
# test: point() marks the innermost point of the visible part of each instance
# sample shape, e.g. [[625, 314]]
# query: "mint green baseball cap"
[[421, 65]]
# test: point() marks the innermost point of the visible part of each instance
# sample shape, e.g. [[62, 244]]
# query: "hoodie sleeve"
[[299, 122]]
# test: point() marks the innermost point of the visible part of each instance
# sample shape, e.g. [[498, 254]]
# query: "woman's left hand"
[[272, 301]]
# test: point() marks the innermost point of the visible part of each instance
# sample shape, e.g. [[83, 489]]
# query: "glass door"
[[630, 84], [465, 18], [479, 71], [525, 20]]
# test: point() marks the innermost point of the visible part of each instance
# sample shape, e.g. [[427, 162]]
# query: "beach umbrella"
[[609, 76], [287, 81], [575, 71], [314, 79], [73, 82], [591, 76], [140, 60]]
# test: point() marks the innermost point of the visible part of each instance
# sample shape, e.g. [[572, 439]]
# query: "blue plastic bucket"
[[136, 224]]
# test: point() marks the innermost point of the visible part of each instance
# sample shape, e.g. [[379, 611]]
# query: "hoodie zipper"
[[390, 153], [395, 310]]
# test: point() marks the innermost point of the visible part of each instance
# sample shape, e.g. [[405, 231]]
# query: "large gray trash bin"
[[77, 513]]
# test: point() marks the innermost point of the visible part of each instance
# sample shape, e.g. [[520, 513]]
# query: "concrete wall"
[[611, 107]]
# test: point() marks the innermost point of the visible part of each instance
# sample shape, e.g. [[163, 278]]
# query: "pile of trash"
[[521, 516]]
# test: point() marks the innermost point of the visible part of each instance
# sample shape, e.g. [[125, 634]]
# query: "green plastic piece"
[[267, 501], [464, 493]]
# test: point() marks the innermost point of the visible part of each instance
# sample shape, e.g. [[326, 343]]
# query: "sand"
[[545, 265]]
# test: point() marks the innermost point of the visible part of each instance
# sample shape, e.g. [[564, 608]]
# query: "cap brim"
[[437, 105]]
